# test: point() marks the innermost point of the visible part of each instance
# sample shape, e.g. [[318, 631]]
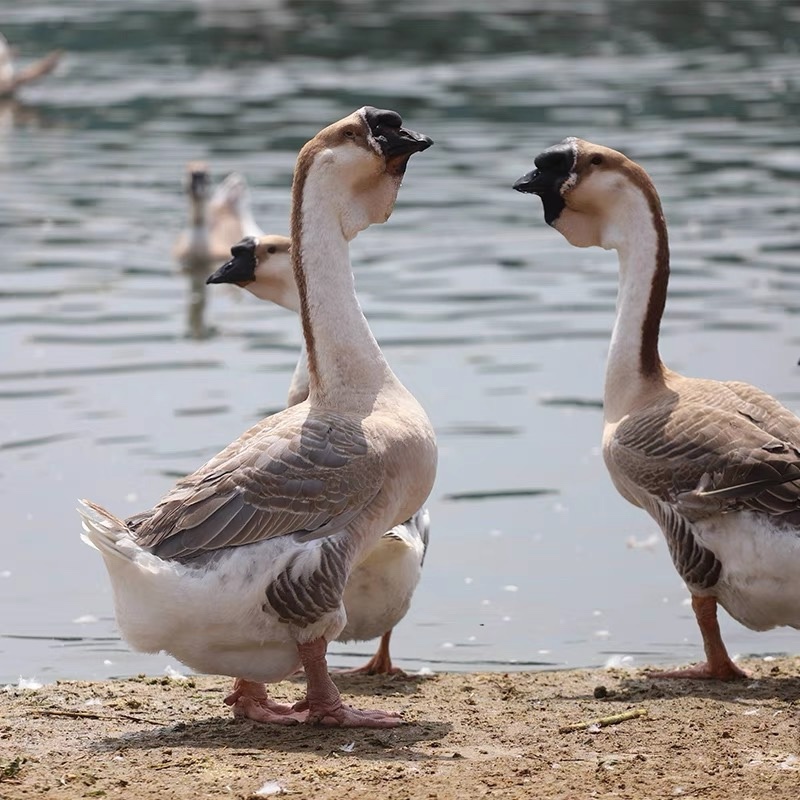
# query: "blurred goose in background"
[[241, 568], [216, 222], [379, 591], [715, 463], [12, 79]]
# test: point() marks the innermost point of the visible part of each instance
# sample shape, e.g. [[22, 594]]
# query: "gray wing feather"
[[299, 472]]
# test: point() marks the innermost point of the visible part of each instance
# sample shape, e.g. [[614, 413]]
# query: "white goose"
[[216, 221], [11, 79], [715, 463], [240, 569], [379, 590]]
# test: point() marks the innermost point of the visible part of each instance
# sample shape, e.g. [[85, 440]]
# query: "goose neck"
[[345, 363], [633, 360]]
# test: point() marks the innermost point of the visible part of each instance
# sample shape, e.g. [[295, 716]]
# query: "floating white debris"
[[559, 508], [468, 581], [618, 661], [510, 588], [85, 619], [447, 645], [603, 634], [597, 613], [269, 788], [107, 662], [543, 652], [472, 638], [30, 684], [6, 573], [650, 543], [486, 602], [131, 497], [769, 658], [425, 671], [347, 748], [687, 601], [172, 673], [506, 618]]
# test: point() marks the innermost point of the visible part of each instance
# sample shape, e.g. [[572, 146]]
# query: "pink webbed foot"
[[720, 671], [249, 700], [323, 704], [718, 664], [380, 663]]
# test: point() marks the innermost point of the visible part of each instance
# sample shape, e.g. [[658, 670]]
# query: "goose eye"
[[597, 160], [349, 133], [272, 249]]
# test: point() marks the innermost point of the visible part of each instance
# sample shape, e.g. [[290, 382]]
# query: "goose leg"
[[380, 663], [250, 700], [323, 704], [718, 664]]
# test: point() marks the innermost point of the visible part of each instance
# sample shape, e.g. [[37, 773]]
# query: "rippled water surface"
[[497, 325]]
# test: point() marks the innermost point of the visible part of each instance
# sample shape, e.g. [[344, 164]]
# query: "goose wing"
[[713, 448], [298, 472]]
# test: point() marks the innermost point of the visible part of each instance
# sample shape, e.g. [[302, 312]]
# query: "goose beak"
[[396, 143], [534, 182], [241, 269]]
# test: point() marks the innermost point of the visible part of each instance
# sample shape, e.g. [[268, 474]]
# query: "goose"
[[715, 463], [379, 591], [216, 221], [11, 79], [240, 569]]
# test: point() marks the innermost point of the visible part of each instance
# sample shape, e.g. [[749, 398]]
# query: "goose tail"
[[105, 532]]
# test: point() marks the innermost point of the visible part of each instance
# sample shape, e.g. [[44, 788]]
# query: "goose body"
[[240, 569], [12, 79], [379, 590], [715, 463]]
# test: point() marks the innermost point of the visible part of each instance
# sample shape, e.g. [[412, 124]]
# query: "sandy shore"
[[467, 736]]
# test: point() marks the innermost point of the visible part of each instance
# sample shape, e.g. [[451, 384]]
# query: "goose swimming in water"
[[11, 78], [715, 463], [217, 220], [240, 569], [379, 591]]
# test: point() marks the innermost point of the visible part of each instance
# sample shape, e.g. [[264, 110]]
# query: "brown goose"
[[715, 463], [240, 569], [379, 590]]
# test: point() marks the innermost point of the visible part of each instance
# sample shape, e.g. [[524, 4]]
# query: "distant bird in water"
[[11, 79], [379, 590], [217, 220], [715, 463]]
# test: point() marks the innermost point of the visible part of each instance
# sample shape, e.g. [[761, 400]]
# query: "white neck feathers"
[[639, 236], [344, 360]]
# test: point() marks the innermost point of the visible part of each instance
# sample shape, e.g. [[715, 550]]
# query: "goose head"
[[263, 266], [591, 194], [358, 163], [197, 182]]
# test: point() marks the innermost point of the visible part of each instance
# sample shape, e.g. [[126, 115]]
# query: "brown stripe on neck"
[[304, 162], [650, 363]]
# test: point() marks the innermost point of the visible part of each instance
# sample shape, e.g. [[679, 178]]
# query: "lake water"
[[497, 325]]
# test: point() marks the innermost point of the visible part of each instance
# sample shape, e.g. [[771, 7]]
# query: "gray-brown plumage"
[[716, 464]]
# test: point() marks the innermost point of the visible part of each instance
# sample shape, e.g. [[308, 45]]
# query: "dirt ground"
[[467, 736]]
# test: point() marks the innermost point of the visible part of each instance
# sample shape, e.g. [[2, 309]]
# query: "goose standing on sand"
[[240, 569], [715, 463], [217, 220], [379, 590], [11, 79]]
